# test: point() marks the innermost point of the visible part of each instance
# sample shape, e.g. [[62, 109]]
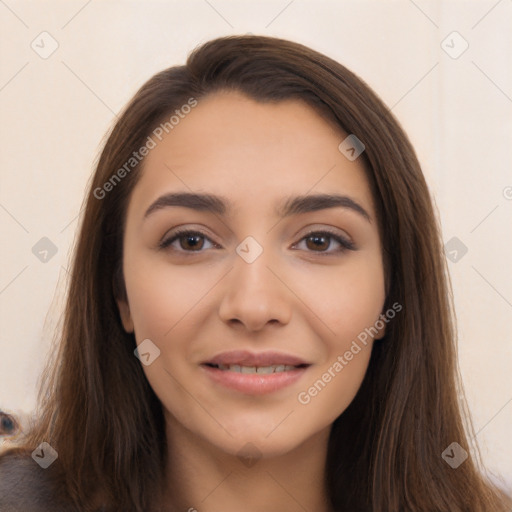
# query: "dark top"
[[27, 487]]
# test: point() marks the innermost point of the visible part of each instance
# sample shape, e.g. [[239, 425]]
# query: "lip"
[[246, 358], [255, 383]]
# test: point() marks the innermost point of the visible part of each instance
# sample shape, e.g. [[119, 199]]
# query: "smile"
[[260, 370], [253, 380]]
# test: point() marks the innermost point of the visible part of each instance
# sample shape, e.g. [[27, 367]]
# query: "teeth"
[[265, 369], [256, 369]]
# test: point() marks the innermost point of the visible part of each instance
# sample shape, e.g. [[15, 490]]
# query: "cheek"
[[347, 299], [334, 386], [167, 306], [161, 296], [162, 302], [350, 309]]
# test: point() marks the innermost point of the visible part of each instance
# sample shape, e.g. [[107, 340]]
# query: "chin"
[[258, 443]]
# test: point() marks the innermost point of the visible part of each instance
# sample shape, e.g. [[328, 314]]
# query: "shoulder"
[[27, 487]]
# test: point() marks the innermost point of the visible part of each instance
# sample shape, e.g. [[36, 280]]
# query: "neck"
[[203, 478]]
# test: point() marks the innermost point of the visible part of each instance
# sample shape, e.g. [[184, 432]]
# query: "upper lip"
[[245, 358]]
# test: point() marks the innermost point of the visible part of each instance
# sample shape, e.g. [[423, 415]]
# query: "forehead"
[[251, 152]]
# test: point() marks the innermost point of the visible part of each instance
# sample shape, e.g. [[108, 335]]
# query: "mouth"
[[246, 359], [255, 374], [260, 370]]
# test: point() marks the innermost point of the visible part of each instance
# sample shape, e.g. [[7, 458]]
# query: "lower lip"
[[254, 383]]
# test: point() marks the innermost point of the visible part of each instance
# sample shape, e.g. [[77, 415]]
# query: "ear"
[[380, 324], [119, 291], [126, 317]]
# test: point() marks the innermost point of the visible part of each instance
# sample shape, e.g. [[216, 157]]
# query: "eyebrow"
[[291, 206]]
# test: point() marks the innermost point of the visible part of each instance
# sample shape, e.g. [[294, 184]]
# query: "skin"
[[300, 300]]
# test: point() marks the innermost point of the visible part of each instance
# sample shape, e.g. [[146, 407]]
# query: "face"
[[256, 285]]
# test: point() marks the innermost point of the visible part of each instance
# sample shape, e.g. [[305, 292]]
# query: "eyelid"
[[345, 242], [179, 232]]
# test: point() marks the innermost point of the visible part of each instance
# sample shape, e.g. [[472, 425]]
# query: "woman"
[[259, 315]]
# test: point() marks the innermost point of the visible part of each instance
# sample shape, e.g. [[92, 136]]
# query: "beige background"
[[457, 111]]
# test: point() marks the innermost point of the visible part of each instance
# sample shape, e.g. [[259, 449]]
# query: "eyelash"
[[346, 245]]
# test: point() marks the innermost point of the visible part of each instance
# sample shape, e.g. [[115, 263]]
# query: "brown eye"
[[320, 241], [189, 241]]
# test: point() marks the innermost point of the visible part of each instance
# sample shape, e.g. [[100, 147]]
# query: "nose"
[[256, 294]]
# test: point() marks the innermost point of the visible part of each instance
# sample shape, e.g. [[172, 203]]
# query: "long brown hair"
[[98, 410]]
